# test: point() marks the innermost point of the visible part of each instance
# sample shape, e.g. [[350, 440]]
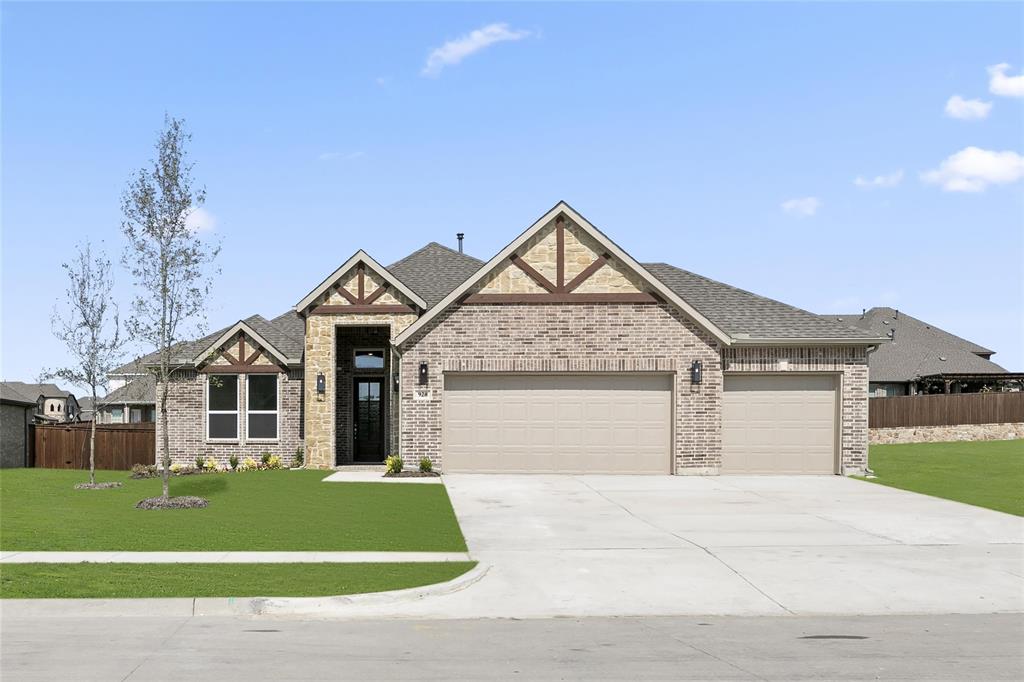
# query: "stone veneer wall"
[[942, 434], [538, 338], [849, 361], [320, 356], [187, 422]]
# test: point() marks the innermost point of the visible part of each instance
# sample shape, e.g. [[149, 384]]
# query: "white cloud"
[[879, 181], [1001, 84], [803, 207], [973, 169], [333, 156], [454, 51], [200, 220], [968, 109]]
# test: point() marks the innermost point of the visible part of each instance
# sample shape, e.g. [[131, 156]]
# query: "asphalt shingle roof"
[[435, 271], [17, 392], [140, 390], [739, 312], [918, 349], [33, 391]]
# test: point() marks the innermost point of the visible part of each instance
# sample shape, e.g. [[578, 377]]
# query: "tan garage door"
[[779, 424], [570, 424]]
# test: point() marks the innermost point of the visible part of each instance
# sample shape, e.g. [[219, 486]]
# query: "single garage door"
[[779, 424], [555, 423]]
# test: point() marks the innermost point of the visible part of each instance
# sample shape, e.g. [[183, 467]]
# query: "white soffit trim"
[[608, 244], [241, 326], [359, 256]]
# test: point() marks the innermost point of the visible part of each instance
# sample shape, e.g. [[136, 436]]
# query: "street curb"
[[325, 607]]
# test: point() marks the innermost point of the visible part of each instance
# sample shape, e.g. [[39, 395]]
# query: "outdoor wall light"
[[696, 370], [321, 383], [423, 374]]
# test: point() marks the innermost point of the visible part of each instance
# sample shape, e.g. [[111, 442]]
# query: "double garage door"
[[558, 423], [623, 424]]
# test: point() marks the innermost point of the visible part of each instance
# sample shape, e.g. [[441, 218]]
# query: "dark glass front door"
[[368, 421]]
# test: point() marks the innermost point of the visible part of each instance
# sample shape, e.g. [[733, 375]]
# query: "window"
[[369, 359], [261, 392], [222, 407], [116, 415]]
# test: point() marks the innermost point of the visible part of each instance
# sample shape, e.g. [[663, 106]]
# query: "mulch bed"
[[98, 486], [413, 474], [183, 502]]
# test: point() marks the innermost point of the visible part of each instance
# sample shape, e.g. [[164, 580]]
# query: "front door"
[[368, 421]]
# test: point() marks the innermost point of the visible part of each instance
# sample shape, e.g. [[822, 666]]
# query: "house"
[[16, 412], [53, 404], [130, 403], [561, 353], [921, 358]]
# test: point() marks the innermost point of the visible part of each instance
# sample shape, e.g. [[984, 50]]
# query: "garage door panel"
[[583, 423], [779, 424]]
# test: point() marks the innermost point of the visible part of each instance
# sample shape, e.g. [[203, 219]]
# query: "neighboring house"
[[86, 409], [16, 411], [559, 354], [921, 358], [53, 404], [130, 403]]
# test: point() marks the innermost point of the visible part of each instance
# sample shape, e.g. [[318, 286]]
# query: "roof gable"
[[340, 278], [557, 279], [235, 337]]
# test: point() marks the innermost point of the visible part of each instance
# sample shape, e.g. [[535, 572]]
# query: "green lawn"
[[984, 473], [255, 511], [28, 581]]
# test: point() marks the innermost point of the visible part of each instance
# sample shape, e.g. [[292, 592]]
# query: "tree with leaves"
[[89, 326], [171, 265]]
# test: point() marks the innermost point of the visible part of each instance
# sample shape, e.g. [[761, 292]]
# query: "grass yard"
[[983, 473], [253, 511], [115, 581]]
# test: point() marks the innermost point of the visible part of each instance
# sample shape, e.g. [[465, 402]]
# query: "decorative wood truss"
[[361, 302], [243, 363], [560, 291]]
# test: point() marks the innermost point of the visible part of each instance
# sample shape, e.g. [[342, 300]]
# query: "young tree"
[[171, 265], [89, 327]]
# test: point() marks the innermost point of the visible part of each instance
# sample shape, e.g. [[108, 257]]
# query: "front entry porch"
[[363, 397]]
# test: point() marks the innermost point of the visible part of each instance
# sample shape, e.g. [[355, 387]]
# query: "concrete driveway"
[[766, 545]]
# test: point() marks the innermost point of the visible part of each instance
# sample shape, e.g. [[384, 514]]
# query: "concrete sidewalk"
[[231, 557]]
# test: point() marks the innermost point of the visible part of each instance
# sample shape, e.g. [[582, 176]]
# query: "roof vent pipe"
[[460, 235]]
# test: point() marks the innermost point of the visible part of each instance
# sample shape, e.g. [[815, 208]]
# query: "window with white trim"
[[261, 400], [222, 407]]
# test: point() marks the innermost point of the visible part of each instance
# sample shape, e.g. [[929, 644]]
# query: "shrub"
[[426, 466], [299, 457], [273, 463], [249, 464], [199, 462], [176, 468], [265, 458], [393, 464], [210, 464], [143, 470], [233, 461]]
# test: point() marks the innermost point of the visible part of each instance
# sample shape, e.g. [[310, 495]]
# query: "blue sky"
[[725, 139]]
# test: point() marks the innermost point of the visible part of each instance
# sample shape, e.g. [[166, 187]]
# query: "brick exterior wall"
[[187, 422], [565, 338], [850, 362]]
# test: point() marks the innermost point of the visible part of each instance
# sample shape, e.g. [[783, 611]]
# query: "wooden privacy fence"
[[66, 446], [946, 410]]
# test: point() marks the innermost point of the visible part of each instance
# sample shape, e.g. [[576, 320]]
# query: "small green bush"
[[273, 462], [265, 458], [426, 466], [393, 464], [299, 457], [200, 461], [144, 470], [233, 461]]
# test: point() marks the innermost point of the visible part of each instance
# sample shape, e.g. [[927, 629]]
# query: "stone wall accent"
[[321, 356], [187, 421], [850, 362], [565, 338], [234, 347], [942, 434], [371, 281]]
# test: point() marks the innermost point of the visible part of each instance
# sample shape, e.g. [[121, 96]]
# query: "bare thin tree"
[[171, 265], [88, 325]]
